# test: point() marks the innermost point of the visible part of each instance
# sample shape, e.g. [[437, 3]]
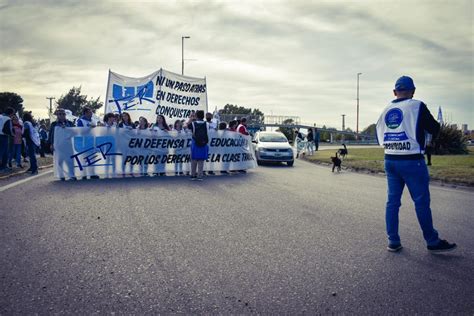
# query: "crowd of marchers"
[[22, 139]]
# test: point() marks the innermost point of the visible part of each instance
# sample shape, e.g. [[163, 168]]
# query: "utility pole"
[[50, 105], [343, 122], [182, 54], [357, 128]]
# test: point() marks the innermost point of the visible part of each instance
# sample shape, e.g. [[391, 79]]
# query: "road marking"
[[14, 184]]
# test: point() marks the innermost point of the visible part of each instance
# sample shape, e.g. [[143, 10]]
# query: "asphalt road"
[[276, 240]]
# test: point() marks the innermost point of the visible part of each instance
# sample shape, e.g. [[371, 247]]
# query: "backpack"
[[200, 134]]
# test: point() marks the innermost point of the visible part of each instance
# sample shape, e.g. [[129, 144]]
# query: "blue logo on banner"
[[394, 118], [93, 151], [390, 137], [126, 98]]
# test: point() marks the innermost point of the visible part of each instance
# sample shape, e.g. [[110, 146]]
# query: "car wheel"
[[290, 163]]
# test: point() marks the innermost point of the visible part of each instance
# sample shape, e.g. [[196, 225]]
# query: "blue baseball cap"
[[404, 83]]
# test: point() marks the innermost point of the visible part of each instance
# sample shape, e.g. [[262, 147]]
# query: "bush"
[[450, 141]]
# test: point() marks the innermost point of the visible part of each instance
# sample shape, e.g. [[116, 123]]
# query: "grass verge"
[[457, 169]]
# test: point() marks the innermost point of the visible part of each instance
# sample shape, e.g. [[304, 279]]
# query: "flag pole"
[[106, 102]]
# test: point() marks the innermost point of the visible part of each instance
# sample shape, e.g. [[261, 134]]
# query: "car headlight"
[[261, 149]]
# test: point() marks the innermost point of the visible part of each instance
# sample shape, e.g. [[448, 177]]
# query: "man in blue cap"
[[401, 131]]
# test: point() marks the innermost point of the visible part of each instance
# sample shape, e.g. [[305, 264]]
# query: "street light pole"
[[357, 127], [182, 53]]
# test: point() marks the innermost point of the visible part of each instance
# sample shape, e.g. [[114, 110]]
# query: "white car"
[[273, 146]]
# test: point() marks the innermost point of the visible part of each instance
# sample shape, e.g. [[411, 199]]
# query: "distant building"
[[464, 129], [440, 116]]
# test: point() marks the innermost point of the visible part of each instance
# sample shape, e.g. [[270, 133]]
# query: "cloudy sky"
[[295, 58]]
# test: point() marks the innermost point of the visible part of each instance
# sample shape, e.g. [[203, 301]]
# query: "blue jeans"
[[414, 174], [32, 154], [4, 151], [16, 153]]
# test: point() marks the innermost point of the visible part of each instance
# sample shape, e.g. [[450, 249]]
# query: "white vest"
[[396, 128], [86, 123], [3, 119]]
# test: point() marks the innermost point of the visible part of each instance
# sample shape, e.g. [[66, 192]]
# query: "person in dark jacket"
[[61, 122], [32, 141], [310, 142], [401, 130], [43, 134]]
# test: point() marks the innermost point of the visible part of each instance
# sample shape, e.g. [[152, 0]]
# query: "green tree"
[[370, 130], [75, 102], [11, 99], [450, 141], [235, 109], [326, 135], [344, 137], [288, 131]]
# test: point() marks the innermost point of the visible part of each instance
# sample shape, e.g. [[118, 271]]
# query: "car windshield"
[[272, 138]]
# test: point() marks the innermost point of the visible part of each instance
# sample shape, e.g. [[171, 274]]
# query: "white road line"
[[14, 184]]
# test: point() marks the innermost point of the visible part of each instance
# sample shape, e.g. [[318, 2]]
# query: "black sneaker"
[[394, 248], [193, 178], [442, 246]]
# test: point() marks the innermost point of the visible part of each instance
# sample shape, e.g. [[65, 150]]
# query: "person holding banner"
[[61, 122], [212, 125], [142, 123], [242, 128], [199, 147], [86, 121], [160, 124], [86, 118], [233, 126], [192, 118], [126, 121], [109, 120], [178, 128]]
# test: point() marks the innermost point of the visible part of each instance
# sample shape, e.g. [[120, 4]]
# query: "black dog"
[[336, 162], [343, 151]]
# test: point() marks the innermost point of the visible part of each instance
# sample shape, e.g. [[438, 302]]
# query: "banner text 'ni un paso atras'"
[[161, 92], [112, 152]]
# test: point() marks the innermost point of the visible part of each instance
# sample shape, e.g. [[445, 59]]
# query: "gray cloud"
[[295, 58]]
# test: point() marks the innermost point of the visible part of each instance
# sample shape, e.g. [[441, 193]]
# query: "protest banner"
[[172, 95], [112, 152]]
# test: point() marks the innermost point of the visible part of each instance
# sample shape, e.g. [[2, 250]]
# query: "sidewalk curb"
[[14, 174]]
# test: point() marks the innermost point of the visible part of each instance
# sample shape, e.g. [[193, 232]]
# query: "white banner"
[[111, 152], [161, 92]]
